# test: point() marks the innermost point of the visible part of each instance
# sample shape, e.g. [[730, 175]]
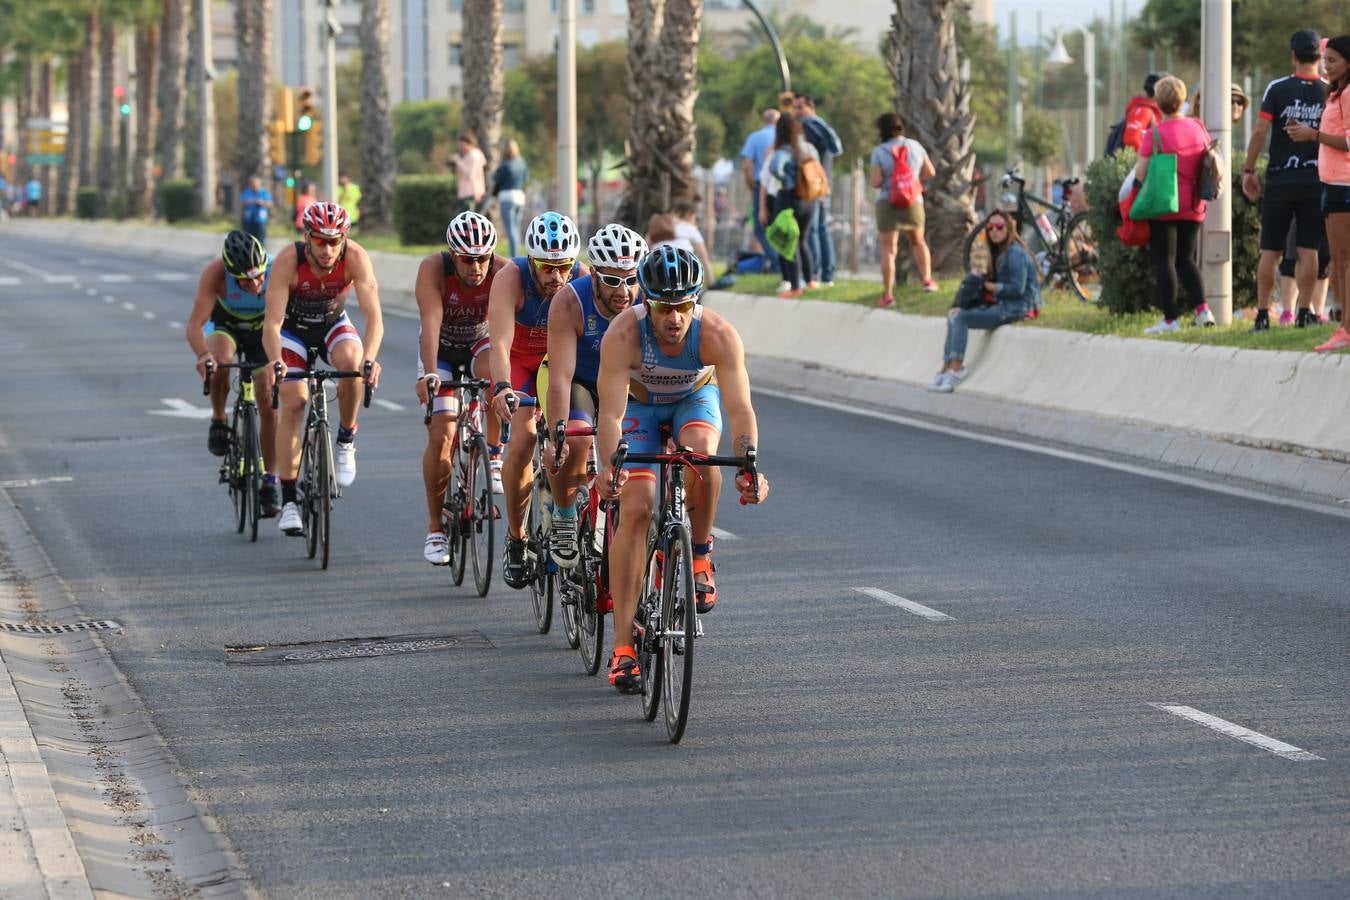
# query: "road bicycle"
[[467, 512], [242, 469], [542, 570], [1060, 239], [667, 615], [317, 486]]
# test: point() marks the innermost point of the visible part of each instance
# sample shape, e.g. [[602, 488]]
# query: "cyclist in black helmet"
[[227, 318], [668, 360]]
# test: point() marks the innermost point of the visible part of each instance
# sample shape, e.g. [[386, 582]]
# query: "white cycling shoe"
[[495, 467], [437, 549], [344, 460], [290, 521]]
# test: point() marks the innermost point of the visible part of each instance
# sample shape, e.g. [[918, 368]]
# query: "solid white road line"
[[33, 482], [114, 277], [1256, 738], [723, 535], [1202, 484], [389, 404], [26, 269], [918, 609]]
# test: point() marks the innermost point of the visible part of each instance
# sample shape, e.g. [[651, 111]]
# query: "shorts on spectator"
[[891, 218], [1335, 199], [1297, 203]]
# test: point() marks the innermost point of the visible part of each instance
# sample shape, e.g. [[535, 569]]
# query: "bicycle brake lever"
[[559, 441], [206, 380], [366, 369]]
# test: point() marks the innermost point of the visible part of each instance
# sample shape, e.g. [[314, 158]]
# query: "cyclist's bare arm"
[[721, 347], [209, 287], [505, 298], [362, 273], [279, 287], [564, 328], [619, 352], [430, 278]]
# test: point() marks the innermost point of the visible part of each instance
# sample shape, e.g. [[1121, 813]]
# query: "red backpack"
[[904, 187]]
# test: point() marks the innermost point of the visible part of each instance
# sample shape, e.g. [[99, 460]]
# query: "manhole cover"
[[36, 630], [351, 648]]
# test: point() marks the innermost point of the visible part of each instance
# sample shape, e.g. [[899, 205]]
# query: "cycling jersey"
[[660, 379], [317, 299], [240, 304], [531, 337], [594, 324], [464, 309]]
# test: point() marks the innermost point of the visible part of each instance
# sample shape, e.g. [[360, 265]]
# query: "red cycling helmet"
[[326, 218]]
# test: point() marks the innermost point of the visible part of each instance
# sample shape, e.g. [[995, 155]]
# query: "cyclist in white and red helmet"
[[452, 300], [305, 308]]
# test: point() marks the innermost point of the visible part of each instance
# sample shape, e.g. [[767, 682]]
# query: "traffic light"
[[125, 108], [304, 112]]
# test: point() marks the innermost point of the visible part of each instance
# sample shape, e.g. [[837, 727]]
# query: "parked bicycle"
[[667, 615], [1060, 239], [242, 469], [317, 485], [468, 513]]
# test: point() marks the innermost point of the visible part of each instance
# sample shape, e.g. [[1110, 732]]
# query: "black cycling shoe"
[[267, 498], [1305, 318], [515, 572], [218, 438]]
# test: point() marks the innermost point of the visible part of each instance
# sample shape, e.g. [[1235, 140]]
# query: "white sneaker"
[[958, 375], [1204, 318], [345, 460], [495, 467], [1163, 327], [944, 384], [437, 549], [782, 286], [562, 542], [937, 380], [829, 283], [290, 521]]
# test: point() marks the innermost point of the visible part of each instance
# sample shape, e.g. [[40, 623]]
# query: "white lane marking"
[[1256, 738], [27, 269], [170, 276], [108, 298], [180, 409], [92, 292], [8, 280], [59, 279], [128, 306], [723, 535], [114, 276], [918, 609], [389, 404], [1215, 487], [175, 324], [34, 482], [148, 314]]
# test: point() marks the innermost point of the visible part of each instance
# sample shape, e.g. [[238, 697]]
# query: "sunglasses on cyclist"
[[614, 281], [326, 241], [472, 260], [562, 265], [679, 306]]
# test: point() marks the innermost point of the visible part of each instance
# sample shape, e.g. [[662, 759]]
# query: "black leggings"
[[796, 272], [1173, 246]]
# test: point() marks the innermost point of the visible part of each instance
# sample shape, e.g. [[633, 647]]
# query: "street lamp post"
[[332, 28], [206, 149], [1059, 56], [1216, 260], [567, 109]]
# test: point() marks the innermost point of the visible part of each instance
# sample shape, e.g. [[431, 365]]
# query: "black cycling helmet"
[[243, 255], [670, 275]]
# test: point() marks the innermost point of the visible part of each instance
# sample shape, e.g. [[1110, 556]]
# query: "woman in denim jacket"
[[1013, 291]]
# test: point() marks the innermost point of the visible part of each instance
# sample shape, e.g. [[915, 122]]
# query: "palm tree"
[[172, 88], [107, 112], [377, 141], [84, 130], [484, 85], [253, 19], [140, 193], [934, 103], [662, 88]]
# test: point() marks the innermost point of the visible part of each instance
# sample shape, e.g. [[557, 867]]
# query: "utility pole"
[[332, 28], [206, 147], [1014, 93], [567, 108], [1216, 245]]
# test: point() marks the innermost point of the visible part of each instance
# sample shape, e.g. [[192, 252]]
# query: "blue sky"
[[1055, 13]]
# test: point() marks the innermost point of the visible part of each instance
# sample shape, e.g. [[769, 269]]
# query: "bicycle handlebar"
[[279, 375], [746, 463], [515, 402], [206, 379], [559, 441]]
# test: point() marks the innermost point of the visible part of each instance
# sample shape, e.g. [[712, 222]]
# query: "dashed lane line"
[[918, 609], [116, 277], [175, 324], [723, 535], [170, 276], [108, 298], [390, 404], [148, 314], [128, 306], [1255, 738]]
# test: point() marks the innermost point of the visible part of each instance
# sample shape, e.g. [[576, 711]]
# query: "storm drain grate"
[[351, 648], [105, 625]]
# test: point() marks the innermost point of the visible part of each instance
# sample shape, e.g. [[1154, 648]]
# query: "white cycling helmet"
[[552, 236], [616, 247], [470, 234]]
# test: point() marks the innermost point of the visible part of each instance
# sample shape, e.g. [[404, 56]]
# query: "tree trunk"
[[934, 105], [253, 19], [377, 143], [140, 197], [88, 91], [483, 81], [68, 178], [107, 115], [23, 107], [172, 89], [662, 87], [46, 83]]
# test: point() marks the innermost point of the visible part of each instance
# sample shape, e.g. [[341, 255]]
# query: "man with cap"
[[1293, 192]]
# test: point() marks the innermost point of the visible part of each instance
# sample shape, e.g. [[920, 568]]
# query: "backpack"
[[811, 181], [1210, 177], [904, 187], [1115, 139], [1138, 119]]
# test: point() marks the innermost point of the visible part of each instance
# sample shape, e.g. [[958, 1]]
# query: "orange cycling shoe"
[[623, 671], [705, 591]]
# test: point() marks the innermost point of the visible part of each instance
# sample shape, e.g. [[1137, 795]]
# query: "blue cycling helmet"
[[552, 236], [670, 275]]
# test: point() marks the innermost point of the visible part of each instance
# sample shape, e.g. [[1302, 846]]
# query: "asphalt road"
[[842, 743]]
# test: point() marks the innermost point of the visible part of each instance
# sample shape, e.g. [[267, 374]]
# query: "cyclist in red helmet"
[[305, 308]]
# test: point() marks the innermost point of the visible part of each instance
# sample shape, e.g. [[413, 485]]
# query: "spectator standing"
[[33, 193], [1011, 287], [255, 203], [349, 198], [1293, 195], [1333, 168], [310, 194], [471, 173], [508, 186], [825, 139], [1173, 238], [687, 230], [789, 149], [753, 154], [1141, 114], [891, 219]]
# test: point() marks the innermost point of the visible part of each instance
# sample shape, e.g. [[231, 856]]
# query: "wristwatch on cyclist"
[[500, 386]]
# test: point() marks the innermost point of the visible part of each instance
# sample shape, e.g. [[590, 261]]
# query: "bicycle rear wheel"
[[975, 252], [478, 538], [679, 626], [309, 489], [541, 580], [649, 643], [234, 476], [1078, 255]]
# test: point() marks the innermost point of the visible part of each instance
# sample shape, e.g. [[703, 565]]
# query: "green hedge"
[[178, 199], [86, 203], [423, 204], [1246, 233]]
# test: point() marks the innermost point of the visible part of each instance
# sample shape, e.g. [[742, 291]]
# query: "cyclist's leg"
[[637, 502], [342, 347], [566, 481], [221, 344], [294, 396], [518, 466], [698, 422], [440, 437]]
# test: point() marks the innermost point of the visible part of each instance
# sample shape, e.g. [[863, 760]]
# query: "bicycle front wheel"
[[234, 466], [327, 491], [649, 641], [454, 513], [679, 626], [253, 471], [541, 581], [479, 534], [975, 252], [309, 490], [1078, 256]]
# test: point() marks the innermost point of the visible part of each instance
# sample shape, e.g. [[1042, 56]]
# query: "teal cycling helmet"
[[553, 237]]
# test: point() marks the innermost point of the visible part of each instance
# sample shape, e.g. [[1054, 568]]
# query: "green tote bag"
[[1158, 196], [783, 234]]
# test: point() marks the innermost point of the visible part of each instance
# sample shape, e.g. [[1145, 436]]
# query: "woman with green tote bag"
[[1169, 164]]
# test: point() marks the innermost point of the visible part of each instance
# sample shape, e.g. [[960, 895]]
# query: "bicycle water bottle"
[[1046, 229]]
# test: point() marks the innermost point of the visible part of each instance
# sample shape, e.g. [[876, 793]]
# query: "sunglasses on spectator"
[[614, 281], [326, 241], [562, 265], [993, 227], [679, 306]]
